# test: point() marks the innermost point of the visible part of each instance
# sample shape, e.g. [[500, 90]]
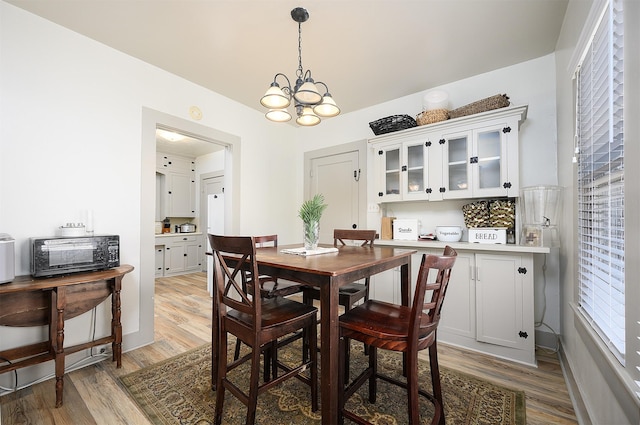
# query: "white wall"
[[70, 140]]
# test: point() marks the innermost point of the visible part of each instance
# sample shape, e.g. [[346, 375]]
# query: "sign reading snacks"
[[405, 229]]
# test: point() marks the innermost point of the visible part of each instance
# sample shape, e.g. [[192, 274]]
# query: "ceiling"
[[366, 51]]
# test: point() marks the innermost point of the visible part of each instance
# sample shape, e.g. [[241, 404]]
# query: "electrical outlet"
[[373, 208]]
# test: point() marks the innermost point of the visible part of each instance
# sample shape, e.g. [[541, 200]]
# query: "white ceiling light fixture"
[[169, 135], [310, 105]]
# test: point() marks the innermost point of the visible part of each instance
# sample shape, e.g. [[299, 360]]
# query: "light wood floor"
[[94, 395]]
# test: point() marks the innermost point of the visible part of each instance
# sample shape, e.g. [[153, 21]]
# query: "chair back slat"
[[266, 240], [426, 311], [341, 235], [234, 255]]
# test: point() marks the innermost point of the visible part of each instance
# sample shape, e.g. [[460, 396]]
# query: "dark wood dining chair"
[[270, 287], [353, 292], [349, 294], [407, 329], [256, 321]]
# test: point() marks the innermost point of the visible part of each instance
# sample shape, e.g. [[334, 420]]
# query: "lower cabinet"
[[181, 255], [159, 257], [489, 305]]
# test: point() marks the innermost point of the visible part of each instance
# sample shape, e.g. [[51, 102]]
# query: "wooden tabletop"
[[29, 283]]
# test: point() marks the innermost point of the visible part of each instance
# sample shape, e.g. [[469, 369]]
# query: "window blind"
[[600, 186]]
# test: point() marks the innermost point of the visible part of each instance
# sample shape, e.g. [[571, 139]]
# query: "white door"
[[208, 186], [213, 218], [336, 177]]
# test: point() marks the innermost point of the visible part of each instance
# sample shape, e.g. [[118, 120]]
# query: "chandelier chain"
[[299, 72]]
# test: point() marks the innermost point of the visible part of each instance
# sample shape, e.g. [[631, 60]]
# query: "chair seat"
[[277, 312], [379, 319], [347, 295], [271, 288]]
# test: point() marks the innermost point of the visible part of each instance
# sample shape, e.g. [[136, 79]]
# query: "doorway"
[[151, 120]]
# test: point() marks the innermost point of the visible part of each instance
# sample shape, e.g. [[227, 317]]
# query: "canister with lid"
[[7, 258]]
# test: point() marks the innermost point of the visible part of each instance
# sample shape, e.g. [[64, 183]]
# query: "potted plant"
[[310, 212]]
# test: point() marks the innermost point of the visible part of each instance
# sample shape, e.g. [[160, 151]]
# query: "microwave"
[[70, 254]]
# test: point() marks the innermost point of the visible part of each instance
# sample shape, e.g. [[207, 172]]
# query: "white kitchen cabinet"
[[468, 157], [178, 183], [159, 260], [481, 161], [489, 305], [182, 254], [403, 170]]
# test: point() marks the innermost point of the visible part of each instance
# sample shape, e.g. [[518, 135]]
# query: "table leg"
[[329, 354], [60, 294], [405, 273], [116, 324], [214, 337]]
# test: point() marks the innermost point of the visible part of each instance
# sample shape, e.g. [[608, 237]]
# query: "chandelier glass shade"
[[309, 103]]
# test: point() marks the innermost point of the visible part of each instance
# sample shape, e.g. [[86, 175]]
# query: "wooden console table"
[[29, 301]]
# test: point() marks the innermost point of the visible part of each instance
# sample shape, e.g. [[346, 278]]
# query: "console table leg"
[[116, 325], [60, 295]]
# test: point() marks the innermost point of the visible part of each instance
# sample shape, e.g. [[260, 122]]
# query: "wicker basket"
[[493, 102], [476, 214], [433, 116], [502, 213], [392, 123]]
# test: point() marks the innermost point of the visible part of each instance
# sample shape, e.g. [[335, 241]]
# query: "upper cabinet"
[[469, 157], [178, 185]]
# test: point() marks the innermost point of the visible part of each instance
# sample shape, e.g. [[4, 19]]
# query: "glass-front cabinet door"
[[489, 172], [389, 169], [457, 166], [414, 170]]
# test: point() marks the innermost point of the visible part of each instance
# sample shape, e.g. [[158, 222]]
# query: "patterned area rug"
[[178, 391]]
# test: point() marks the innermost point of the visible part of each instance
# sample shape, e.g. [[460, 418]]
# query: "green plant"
[[311, 210]]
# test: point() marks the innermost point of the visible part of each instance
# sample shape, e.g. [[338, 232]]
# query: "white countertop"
[[165, 235], [461, 246]]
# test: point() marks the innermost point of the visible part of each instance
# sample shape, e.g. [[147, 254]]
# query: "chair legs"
[[271, 366], [411, 385]]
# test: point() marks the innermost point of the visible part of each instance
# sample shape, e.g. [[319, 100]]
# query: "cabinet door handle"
[[473, 160], [507, 185], [477, 273]]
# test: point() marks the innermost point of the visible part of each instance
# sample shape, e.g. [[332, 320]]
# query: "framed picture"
[[531, 236]]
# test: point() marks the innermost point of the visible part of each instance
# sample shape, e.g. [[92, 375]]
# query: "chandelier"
[[308, 102]]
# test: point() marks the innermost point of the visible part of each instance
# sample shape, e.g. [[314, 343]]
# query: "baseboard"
[[574, 393]]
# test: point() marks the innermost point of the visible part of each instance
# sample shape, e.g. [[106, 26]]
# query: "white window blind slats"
[[599, 127]]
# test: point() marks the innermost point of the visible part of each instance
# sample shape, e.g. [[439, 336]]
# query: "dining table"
[[327, 272]]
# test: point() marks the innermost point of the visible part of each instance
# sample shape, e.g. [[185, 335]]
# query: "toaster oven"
[[62, 255]]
